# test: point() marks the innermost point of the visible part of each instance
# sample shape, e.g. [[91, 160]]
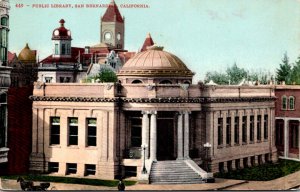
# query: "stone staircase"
[[172, 172]]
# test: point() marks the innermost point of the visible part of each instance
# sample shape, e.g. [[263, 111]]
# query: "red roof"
[[75, 51], [63, 33], [11, 56], [112, 13], [147, 43]]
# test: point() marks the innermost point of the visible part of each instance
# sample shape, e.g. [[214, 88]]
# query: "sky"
[[207, 35]]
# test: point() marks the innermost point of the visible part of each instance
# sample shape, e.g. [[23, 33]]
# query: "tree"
[[107, 75], [295, 73], [236, 74], [219, 78], [284, 71]]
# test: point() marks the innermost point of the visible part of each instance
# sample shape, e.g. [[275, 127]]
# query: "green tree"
[[295, 73], [284, 71], [218, 78], [236, 74], [107, 75]]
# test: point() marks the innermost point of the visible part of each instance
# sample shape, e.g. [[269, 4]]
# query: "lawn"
[[266, 172], [71, 180]]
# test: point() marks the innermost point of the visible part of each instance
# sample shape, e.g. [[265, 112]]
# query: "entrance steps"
[[173, 172]]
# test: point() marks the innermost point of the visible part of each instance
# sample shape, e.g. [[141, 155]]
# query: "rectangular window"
[[71, 168], [244, 129], [68, 49], [63, 49], [220, 131], [3, 120], [56, 49], [73, 131], [136, 132], [236, 130], [266, 127], [54, 131], [258, 126], [228, 130], [92, 132], [251, 128], [53, 167], [48, 79], [90, 169]]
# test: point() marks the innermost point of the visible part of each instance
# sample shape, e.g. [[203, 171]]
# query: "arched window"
[[284, 103], [291, 103], [165, 82], [136, 81]]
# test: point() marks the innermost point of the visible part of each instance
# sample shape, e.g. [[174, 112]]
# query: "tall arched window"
[[4, 21], [284, 102], [291, 103]]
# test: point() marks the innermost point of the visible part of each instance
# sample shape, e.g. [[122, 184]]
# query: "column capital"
[[145, 112], [187, 112], [153, 112]]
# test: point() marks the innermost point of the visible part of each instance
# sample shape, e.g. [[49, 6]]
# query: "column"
[[153, 135], [232, 124], [179, 137], [186, 135], [145, 133], [286, 138]]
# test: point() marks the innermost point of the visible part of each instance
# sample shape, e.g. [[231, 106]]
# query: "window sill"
[[258, 141], [73, 147], [91, 147], [54, 146], [219, 146], [228, 145], [236, 144], [251, 142], [244, 143]]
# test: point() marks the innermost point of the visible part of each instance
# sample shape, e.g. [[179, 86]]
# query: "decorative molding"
[[203, 100]]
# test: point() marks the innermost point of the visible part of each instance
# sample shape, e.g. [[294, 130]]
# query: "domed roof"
[[61, 33], [27, 55], [155, 62]]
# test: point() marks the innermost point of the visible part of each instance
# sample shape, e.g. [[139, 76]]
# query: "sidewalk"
[[220, 183], [283, 183]]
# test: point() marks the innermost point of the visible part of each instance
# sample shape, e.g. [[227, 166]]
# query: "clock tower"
[[112, 27]]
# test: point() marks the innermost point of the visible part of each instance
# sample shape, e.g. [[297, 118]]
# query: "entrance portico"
[[160, 137]]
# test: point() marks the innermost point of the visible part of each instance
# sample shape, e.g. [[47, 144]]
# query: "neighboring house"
[[288, 121]]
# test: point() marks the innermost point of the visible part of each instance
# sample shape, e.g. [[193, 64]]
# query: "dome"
[[27, 55], [61, 33], [155, 62]]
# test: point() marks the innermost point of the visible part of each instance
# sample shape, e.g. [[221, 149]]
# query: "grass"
[[265, 172], [70, 180]]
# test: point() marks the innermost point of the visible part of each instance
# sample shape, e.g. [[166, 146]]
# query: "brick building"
[[287, 121]]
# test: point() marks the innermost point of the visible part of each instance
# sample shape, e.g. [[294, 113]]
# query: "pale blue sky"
[[206, 34]]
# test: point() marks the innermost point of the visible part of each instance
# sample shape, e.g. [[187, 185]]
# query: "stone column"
[[186, 135], [145, 133], [179, 137], [286, 138], [153, 136]]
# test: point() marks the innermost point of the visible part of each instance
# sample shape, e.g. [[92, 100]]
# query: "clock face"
[[107, 36], [119, 36], [56, 32], [69, 33]]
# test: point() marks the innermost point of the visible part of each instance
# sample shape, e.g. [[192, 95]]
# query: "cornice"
[[203, 100]]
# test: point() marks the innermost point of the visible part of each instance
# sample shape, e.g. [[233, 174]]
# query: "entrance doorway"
[[165, 137]]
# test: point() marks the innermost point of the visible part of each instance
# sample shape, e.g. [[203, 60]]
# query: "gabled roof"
[[75, 51], [147, 43], [112, 13]]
